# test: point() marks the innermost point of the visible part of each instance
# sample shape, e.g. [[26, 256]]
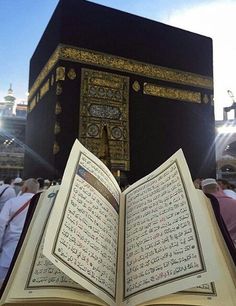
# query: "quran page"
[[222, 291], [166, 247], [82, 235], [34, 279]]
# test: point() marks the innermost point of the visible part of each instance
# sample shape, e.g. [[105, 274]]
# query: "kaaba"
[[132, 90]]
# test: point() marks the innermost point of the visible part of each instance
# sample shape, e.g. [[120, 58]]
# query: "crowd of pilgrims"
[[225, 193], [15, 196]]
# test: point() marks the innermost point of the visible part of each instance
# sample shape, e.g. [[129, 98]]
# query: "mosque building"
[[226, 145], [12, 135]]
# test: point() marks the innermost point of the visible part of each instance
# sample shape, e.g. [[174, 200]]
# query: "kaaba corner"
[[132, 90]]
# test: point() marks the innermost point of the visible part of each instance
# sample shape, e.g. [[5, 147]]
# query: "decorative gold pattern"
[[136, 86], [114, 83], [58, 89], [205, 99], [45, 71], [44, 89], [60, 73], [95, 58], [57, 128], [171, 93], [71, 74], [58, 109], [52, 79], [93, 130], [128, 65], [56, 148], [104, 126], [32, 104]]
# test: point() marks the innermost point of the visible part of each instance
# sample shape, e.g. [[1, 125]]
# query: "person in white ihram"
[[6, 192], [17, 184], [12, 218]]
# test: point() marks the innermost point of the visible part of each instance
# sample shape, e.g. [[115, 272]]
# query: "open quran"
[[156, 243]]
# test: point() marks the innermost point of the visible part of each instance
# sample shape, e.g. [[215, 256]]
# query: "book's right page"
[[165, 243], [222, 291]]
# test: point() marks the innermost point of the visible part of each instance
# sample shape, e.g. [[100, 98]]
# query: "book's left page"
[[82, 235], [34, 279]]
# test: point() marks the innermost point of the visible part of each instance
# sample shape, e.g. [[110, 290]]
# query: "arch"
[[228, 168], [230, 149]]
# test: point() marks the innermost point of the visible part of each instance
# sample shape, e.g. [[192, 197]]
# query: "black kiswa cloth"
[[225, 233], [30, 213]]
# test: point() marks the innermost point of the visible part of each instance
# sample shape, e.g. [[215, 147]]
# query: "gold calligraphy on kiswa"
[[44, 89], [104, 119], [75, 54], [171, 93]]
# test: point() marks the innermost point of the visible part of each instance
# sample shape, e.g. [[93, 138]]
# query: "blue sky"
[[23, 23]]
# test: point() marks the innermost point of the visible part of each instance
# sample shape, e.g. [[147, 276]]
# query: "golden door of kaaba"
[[104, 117], [132, 90]]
